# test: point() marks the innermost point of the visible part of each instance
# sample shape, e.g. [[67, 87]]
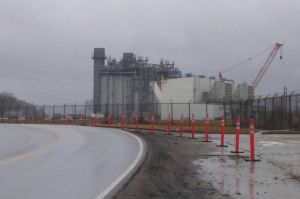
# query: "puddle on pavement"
[[270, 143], [243, 180]]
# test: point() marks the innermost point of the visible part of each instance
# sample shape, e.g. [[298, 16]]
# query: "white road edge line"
[[127, 171]]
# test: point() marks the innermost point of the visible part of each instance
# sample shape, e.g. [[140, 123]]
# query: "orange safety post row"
[[181, 125]]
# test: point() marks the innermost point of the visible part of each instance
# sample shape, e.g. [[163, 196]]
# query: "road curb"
[[111, 192]]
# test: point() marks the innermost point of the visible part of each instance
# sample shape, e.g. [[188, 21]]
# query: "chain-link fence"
[[277, 112]]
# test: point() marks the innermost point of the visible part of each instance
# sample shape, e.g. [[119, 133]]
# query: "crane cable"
[[246, 60]]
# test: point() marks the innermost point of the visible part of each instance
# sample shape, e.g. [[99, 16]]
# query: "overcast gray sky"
[[46, 46]]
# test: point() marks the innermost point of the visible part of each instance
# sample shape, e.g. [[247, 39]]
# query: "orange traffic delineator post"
[[152, 122], [252, 143], [237, 136], [169, 125], [193, 126], [123, 121], [206, 128], [181, 126], [222, 133], [136, 122]]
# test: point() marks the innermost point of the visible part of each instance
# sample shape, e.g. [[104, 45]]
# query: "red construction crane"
[[263, 69], [266, 65]]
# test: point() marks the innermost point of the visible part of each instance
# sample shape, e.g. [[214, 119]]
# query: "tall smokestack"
[[99, 61]]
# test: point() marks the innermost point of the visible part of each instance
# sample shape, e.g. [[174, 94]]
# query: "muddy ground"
[[169, 171]]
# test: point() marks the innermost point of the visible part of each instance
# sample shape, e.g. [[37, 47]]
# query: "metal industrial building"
[[127, 85], [133, 85], [243, 92], [195, 92]]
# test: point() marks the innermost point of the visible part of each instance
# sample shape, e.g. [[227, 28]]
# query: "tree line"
[[10, 104]]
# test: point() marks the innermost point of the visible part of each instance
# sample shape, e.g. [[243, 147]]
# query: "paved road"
[[64, 162]]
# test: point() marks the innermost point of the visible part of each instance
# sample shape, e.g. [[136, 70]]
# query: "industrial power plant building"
[[127, 85], [132, 84]]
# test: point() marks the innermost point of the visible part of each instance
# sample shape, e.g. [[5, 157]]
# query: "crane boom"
[[266, 65]]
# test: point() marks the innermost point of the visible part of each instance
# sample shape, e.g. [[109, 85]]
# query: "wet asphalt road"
[[69, 162]]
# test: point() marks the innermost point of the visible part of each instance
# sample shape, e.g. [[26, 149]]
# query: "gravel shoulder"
[[169, 170]]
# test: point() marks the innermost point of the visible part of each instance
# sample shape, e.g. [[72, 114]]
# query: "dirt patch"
[[169, 172]]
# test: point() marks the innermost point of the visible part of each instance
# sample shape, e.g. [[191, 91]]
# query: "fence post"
[[193, 125], [273, 107], [136, 122], [18, 112], [26, 113], [141, 114], [172, 111], [156, 110], [118, 112], [53, 113], [246, 110], [85, 114], [123, 120], [251, 110], [266, 126], [9, 113], [189, 113], [290, 111], [281, 110], [258, 109], [240, 111], [169, 124], [297, 112], [34, 113], [225, 116], [231, 113], [44, 114], [64, 111], [181, 125]]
